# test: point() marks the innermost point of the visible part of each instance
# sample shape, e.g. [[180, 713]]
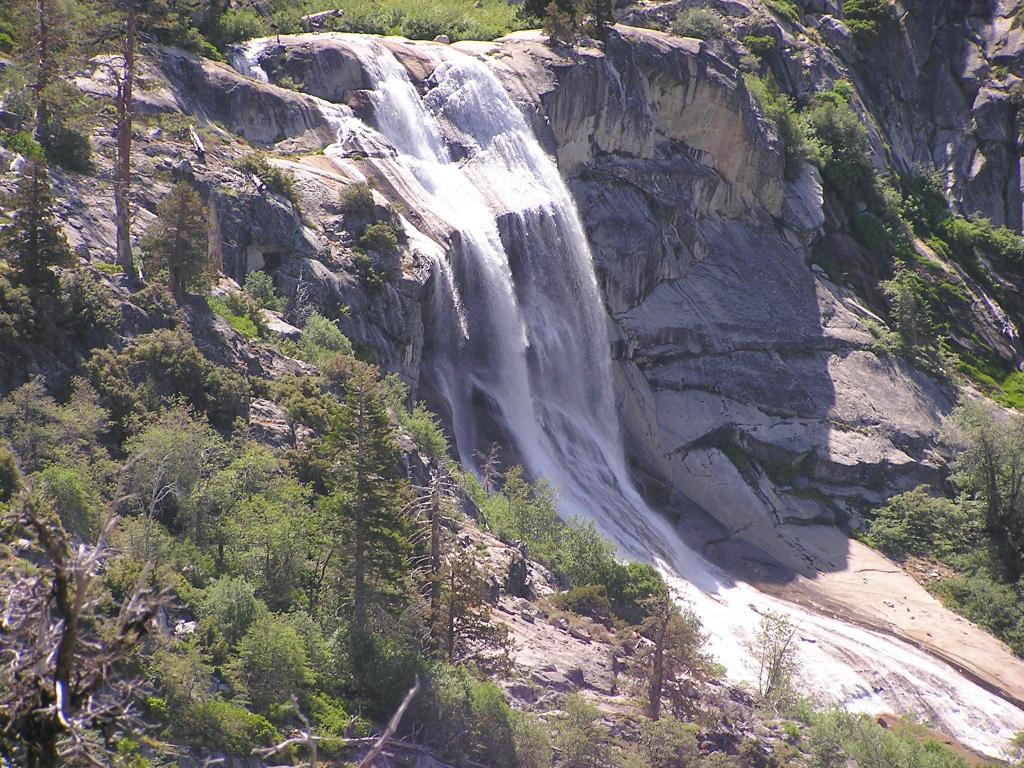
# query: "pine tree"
[[369, 494], [178, 241], [35, 242], [50, 49], [675, 650]]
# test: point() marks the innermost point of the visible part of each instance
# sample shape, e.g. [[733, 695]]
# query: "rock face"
[[747, 382]]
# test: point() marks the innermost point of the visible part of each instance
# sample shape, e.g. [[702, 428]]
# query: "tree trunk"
[[435, 566], [123, 180], [451, 618], [658, 672], [359, 566], [42, 73]]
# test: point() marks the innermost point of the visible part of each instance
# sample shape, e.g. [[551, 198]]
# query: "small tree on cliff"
[[35, 242], [177, 242], [675, 651], [774, 648]]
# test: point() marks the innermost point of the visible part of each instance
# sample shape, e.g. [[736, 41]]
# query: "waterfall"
[[522, 342]]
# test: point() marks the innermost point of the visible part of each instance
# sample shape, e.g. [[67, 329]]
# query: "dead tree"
[[64, 662]]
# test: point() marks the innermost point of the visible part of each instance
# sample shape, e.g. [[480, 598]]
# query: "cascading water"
[[523, 337]]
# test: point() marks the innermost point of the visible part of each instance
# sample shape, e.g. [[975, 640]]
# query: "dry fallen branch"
[[375, 750]]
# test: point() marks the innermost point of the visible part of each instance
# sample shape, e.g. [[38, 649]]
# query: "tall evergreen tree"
[[35, 242], [178, 241], [50, 47], [369, 494]]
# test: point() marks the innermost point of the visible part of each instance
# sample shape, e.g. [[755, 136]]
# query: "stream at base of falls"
[[520, 338]]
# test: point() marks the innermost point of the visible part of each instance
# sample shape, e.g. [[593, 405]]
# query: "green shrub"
[[272, 663], [966, 236], [159, 367], [701, 23], [87, 305], [74, 497], [590, 601], [916, 523], [582, 741], [322, 340], [759, 45], [18, 320], [381, 237], [259, 286], [778, 108], [304, 402], [471, 722], [787, 9], [425, 19], [222, 725], [23, 143], [668, 743], [843, 149], [992, 604], [864, 18], [241, 323], [356, 200], [68, 148], [238, 24], [230, 607], [277, 181], [10, 474]]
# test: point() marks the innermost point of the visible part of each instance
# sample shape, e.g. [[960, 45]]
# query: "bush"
[[590, 601], [259, 286], [843, 144], [322, 340], [304, 401], [759, 45], [272, 663], [994, 605], [277, 181], [10, 475], [380, 237], [356, 200], [161, 366], [471, 722], [238, 24], [864, 18], [787, 9], [966, 236], [18, 320], [582, 741], [23, 143], [239, 321], [87, 305], [222, 725], [69, 149], [916, 523], [75, 499], [778, 108], [425, 19], [700, 23], [230, 607], [668, 743]]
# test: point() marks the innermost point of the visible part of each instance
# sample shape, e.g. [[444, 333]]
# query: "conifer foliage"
[[177, 242], [34, 243]]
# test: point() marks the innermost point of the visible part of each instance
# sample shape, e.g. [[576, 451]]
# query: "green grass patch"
[[107, 268], [426, 19], [244, 325]]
